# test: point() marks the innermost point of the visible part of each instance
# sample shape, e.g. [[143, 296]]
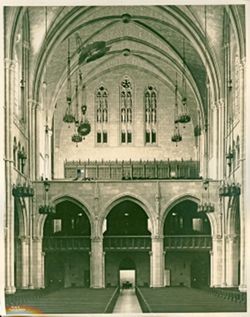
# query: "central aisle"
[[127, 302]]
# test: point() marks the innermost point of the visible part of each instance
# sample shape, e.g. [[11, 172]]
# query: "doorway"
[[127, 279]]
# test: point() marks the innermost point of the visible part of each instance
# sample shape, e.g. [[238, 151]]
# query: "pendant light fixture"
[[68, 116], [84, 127], [176, 137], [76, 137], [184, 116]]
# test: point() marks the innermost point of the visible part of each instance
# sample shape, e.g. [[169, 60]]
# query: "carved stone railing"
[[135, 243], [185, 242], [132, 170], [64, 243]]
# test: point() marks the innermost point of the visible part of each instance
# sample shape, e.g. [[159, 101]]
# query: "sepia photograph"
[[123, 173]]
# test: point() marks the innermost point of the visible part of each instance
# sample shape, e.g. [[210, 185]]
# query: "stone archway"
[[127, 235], [187, 245], [66, 244], [21, 245], [233, 244], [127, 273]]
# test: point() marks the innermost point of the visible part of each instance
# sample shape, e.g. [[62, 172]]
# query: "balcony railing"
[[135, 243], [132, 170], [73, 243], [188, 242]]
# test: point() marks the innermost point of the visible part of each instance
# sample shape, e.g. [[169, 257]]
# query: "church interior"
[[124, 152]]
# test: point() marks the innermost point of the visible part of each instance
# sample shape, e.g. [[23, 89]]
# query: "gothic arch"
[[176, 200], [233, 212], [22, 218], [123, 197], [59, 199]]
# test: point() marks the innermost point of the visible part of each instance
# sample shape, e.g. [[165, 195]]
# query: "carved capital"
[[217, 237], [9, 63], [34, 104], [96, 239], [24, 239], [220, 103], [232, 237], [37, 239], [157, 238], [242, 63]]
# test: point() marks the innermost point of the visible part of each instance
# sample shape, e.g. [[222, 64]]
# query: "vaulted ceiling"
[[152, 38]]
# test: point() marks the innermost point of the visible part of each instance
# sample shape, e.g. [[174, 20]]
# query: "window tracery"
[[150, 107], [126, 110], [102, 113]]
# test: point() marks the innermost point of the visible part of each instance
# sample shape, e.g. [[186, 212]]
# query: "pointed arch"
[[61, 198], [178, 199], [123, 197]]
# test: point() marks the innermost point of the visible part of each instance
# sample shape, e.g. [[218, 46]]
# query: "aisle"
[[127, 302]]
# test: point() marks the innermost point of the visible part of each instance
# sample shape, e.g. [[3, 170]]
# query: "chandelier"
[[46, 208], [176, 137], [205, 205], [229, 190], [184, 116], [23, 190], [68, 116], [89, 53]]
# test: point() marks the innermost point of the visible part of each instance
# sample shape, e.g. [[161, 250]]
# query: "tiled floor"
[[127, 302]]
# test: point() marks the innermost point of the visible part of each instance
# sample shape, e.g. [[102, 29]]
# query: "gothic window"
[[105, 137], [238, 150], [153, 136], [147, 136], [22, 161], [102, 105], [123, 137], [21, 56], [99, 137], [19, 156], [15, 151], [129, 137], [150, 109], [102, 113], [126, 110]]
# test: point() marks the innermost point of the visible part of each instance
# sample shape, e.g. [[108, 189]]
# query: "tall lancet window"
[[102, 115], [126, 111], [21, 58], [150, 106]]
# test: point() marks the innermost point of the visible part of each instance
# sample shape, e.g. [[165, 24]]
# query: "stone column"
[[38, 263], [221, 140], [24, 262], [47, 163], [97, 263], [216, 262], [232, 261], [214, 130], [9, 219], [243, 264], [32, 134], [31, 219], [157, 262]]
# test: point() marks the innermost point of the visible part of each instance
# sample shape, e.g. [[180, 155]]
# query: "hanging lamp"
[[184, 116], [176, 137], [205, 205], [84, 127], [68, 116], [76, 137]]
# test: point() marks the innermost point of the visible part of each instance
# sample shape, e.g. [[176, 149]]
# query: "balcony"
[[131, 170], [188, 242], [73, 243], [132, 243]]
